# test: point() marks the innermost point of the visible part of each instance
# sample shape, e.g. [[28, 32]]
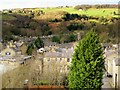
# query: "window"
[[60, 59], [68, 59], [7, 53], [68, 68]]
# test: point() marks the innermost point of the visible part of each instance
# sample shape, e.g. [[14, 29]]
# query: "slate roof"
[[63, 53]]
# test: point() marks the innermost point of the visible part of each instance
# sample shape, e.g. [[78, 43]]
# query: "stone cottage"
[[116, 73], [8, 52], [112, 63]]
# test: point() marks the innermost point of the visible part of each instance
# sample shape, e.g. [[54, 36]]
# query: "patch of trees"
[[28, 27], [37, 44], [8, 31], [105, 6], [93, 17], [45, 29], [55, 20], [56, 39], [97, 6], [82, 7], [68, 17], [64, 38], [108, 33], [113, 32], [71, 38], [75, 26]]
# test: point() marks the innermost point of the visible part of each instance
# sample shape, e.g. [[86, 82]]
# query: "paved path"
[[106, 83]]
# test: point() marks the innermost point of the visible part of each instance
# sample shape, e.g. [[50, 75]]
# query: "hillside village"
[[54, 59], [38, 45]]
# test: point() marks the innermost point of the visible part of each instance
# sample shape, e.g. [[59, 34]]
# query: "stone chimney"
[[78, 35]]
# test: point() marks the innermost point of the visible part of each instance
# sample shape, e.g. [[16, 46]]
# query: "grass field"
[[105, 12]]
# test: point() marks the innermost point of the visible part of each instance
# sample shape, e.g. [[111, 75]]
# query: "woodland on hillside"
[[40, 22]]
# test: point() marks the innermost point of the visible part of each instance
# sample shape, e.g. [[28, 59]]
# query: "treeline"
[[97, 6], [68, 17], [64, 38]]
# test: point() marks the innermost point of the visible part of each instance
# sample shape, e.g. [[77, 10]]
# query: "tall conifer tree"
[[86, 70]]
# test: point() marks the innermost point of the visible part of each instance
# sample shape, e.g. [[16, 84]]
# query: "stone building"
[[116, 73], [112, 63], [54, 63], [8, 52], [58, 59]]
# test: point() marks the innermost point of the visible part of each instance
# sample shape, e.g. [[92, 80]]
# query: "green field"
[[105, 12]]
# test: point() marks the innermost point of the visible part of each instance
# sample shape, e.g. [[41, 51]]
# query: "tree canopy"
[[38, 43]]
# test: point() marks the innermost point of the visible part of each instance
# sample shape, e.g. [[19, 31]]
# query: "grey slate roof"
[[59, 54]]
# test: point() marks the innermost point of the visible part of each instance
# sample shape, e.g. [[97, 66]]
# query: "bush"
[[75, 26], [68, 16], [56, 39], [30, 49], [71, 38]]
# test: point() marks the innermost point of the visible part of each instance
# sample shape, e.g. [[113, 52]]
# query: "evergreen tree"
[[30, 48], [39, 43], [86, 70]]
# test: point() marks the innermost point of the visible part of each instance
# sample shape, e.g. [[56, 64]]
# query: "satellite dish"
[[41, 50]]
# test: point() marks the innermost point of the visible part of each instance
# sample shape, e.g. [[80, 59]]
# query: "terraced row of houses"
[[56, 58], [112, 63]]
